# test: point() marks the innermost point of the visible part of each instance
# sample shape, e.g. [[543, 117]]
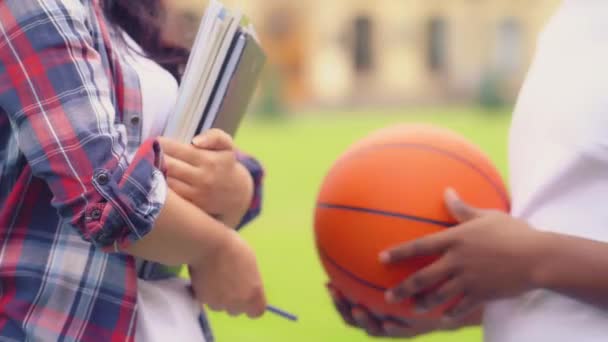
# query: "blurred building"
[[394, 52]]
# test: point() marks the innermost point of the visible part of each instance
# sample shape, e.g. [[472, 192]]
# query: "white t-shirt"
[[166, 310], [559, 167]]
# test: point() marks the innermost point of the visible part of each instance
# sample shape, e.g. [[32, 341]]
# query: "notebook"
[[221, 75]]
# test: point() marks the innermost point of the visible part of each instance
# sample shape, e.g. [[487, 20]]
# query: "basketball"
[[387, 189]]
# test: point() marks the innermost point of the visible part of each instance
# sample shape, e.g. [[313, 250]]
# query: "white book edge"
[[192, 112], [225, 81], [199, 52], [203, 73], [214, 74]]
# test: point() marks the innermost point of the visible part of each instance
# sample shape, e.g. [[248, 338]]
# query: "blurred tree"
[[490, 91], [270, 102]]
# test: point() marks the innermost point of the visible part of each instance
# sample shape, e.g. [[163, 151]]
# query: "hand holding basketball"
[[487, 257], [387, 189], [360, 317]]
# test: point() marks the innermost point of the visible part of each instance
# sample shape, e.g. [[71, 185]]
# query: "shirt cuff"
[[133, 200], [257, 173]]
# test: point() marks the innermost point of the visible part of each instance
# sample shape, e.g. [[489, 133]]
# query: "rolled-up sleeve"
[[257, 173], [58, 97]]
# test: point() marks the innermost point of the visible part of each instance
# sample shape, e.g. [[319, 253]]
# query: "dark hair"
[[142, 20]]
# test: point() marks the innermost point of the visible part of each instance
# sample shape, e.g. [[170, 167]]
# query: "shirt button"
[[96, 214], [135, 120], [103, 178]]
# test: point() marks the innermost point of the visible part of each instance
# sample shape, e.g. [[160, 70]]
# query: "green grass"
[[296, 153]]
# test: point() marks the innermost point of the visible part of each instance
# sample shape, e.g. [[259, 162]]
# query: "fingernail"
[[391, 297], [199, 140], [451, 195], [385, 257]]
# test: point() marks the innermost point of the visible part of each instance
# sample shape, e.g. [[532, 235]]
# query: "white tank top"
[[559, 167], [159, 91], [166, 310]]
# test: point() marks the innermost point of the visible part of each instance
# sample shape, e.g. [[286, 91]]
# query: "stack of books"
[[221, 75]]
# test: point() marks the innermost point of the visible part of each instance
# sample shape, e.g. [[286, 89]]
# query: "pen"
[[281, 313]]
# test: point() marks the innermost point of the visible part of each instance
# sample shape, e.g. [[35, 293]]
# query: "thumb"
[[214, 139], [459, 209]]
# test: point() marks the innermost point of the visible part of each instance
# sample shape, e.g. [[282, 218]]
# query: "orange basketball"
[[387, 189]]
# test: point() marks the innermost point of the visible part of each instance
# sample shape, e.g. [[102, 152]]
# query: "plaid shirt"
[[70, 112]]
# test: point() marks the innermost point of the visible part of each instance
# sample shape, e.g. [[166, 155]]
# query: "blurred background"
[[337, 70]]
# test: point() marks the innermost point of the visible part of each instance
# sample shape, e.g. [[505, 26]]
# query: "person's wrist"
[[540, 263], [213, 241], [246, 195]]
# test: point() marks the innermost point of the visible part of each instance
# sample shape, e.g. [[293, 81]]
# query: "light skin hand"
[[208, 174], [224, 271]]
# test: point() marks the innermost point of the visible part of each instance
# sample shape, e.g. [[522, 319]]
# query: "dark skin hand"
[[490, 255], [361, 318], [486, 257]]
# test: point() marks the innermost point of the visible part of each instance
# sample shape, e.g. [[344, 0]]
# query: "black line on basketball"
[[448, 154], [349, 274], [343, 269], [384, 213]]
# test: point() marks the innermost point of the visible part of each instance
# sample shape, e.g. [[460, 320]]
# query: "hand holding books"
[[219, 80]]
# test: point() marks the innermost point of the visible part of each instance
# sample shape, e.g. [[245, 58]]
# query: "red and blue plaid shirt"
[[69, 115]]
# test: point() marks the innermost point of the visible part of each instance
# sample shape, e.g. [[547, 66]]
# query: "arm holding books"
[[223, 268], [219, 79], [215, 177]]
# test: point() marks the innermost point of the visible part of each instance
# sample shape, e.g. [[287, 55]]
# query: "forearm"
[[574, 267], [181, 235], [234, 218]]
